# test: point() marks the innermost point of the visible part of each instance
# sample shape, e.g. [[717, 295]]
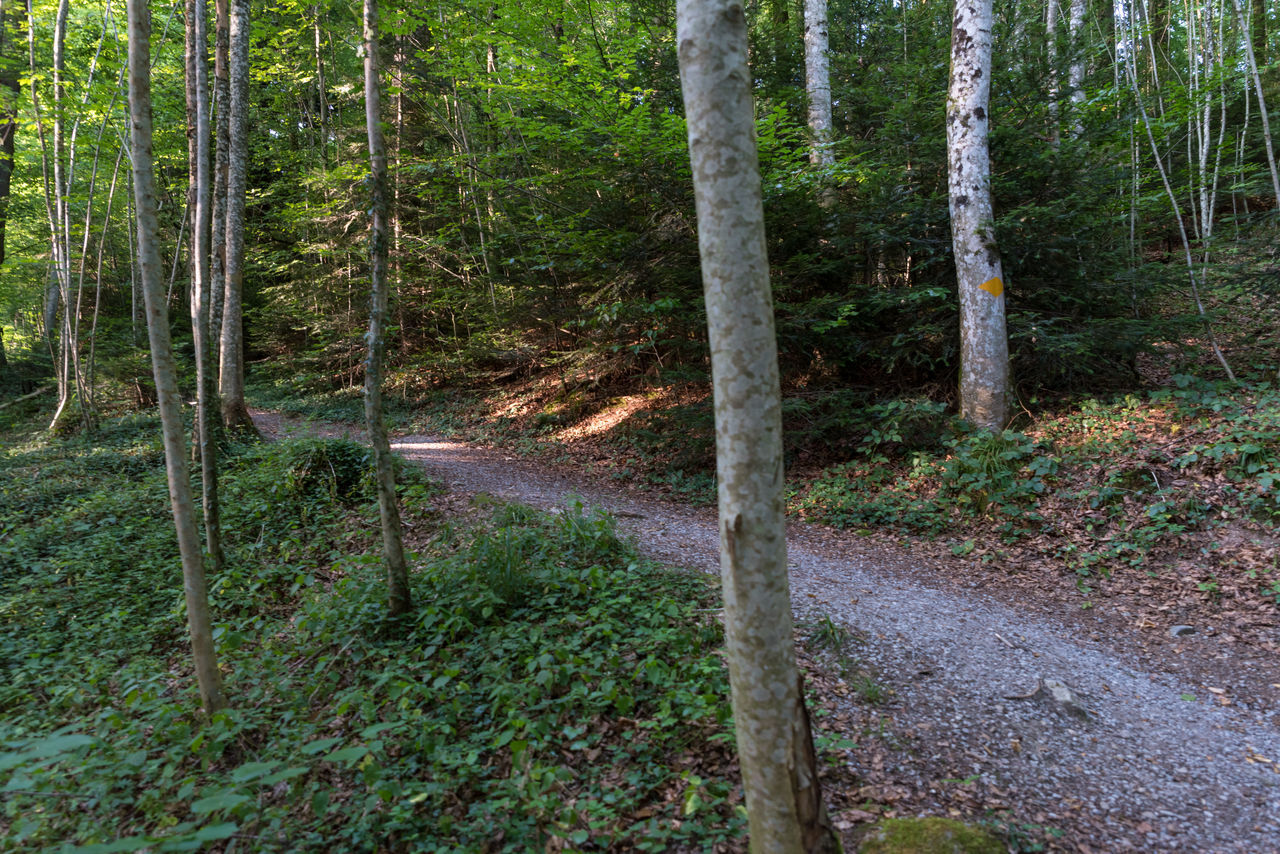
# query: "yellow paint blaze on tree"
[[995, 287]]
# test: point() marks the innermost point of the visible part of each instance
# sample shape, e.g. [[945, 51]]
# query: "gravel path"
[[1158, 762]]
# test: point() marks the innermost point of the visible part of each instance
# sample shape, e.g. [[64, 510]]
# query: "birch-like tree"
[[1076, 65], [151, 272], [984, 345], [775, 748], [235, 412], [398, 596], [817, 81], [1260, 91]]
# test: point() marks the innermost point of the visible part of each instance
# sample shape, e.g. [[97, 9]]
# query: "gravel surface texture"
[[1058, 717]]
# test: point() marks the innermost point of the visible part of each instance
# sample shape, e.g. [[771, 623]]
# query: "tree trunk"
[[1075, 68], [218, 241], [1258, 32], [1051, 45], [235, 413], [984, 348], [784, 800], [206, 431], [10, 86], [817, 66], [398, 596], [152, 275], [1262, 101], [61, 214]]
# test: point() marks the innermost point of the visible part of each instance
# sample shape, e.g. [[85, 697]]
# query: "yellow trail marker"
[[995, 287]]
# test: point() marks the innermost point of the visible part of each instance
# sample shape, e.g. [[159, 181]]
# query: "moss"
[[928, 836]]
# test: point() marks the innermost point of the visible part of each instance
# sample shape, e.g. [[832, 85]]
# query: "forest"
[[628, 425]]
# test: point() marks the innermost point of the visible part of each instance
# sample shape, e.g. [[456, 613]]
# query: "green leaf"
[[251, 771], [58, 744], [314, 747], [119, 846], [281, 776], [224, 800], [214, 832], [347, 754]]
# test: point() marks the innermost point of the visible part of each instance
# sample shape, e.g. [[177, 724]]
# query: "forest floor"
[[972, 694]]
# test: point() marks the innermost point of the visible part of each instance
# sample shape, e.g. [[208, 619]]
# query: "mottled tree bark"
[[784, 800], [398, 597], [152, 275], [235, 413], [984, 347]]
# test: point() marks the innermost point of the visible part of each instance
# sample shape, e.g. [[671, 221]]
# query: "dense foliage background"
[[544, 212]]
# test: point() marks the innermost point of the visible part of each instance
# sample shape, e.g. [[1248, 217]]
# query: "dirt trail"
[[1156, 761]]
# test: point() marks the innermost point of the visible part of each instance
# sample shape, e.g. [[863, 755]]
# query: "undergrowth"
[[1147, 482], [550, 690]]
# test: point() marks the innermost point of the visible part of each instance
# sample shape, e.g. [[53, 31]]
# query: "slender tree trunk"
[[1258, 32], [775, 748], [817, 67], [206, 432], [1051, 44], [322, 93], [1075, 68], [398, 596], [10, 86], [53, 292], [984, 347], [102, 250], [235, 413], [218, 241], [1262, 101], [1132, 73], [199, 621], [62, 237]]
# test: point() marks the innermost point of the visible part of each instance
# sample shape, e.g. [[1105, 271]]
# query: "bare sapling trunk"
[[398, 597], [151, 272], [784, 799], [207, 415], [235, 412], [984, 346]]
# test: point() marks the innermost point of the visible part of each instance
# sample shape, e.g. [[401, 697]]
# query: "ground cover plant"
[[1175, 485], [551, 689]]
